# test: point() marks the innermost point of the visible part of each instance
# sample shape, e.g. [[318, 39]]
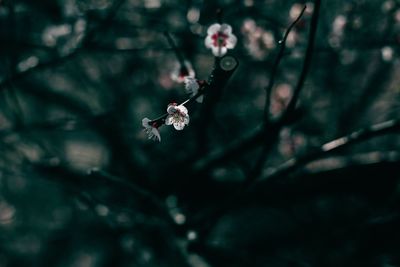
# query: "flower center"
[[219, 39], [178, 117]]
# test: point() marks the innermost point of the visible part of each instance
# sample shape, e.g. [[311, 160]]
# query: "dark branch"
[[392, 126], [307, 62], [249, 143], [273, 135], [213, 88], [278, 59]]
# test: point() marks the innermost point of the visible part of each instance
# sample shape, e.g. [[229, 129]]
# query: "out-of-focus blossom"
[[337, 34], [151, 130], [388, 6], [192, 86], [177, 116], [397, 16], [28, 63], [292, 39], [7, 213], [181, 71], [257, 41], [65, 37], [338, 24], [193, 15], [152, 4], [280, 98], [295, 10], [52, 33], [291, 142], [387, 53], [220, 38]]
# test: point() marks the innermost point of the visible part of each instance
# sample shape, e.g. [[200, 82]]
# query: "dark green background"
[[77, 77]]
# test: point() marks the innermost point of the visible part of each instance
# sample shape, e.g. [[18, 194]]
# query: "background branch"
[[306, 63], [392, 126]]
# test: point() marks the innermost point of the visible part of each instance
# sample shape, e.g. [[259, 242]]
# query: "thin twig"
[[254, 139], [273, 135], [161, 119], [336, 145], [306, 64], [278, 59], [208, 221], [270, 137], [218, 79]]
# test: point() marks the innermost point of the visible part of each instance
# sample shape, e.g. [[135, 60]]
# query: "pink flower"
[[180, 72], [177, 116], [220, 38], [192, 86], [151, 130]]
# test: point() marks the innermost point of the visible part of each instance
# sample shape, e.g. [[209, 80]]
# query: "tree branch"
[[273, 135], [249, 143], [306, 65], [336, 145], [278, 59]]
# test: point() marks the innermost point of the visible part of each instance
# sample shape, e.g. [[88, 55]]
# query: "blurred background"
[[82, 186]]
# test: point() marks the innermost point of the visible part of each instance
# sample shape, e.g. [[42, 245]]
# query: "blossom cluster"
[[177, 116], [219, 39]]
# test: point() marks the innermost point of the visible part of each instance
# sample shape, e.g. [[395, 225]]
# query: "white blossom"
[[177, 116], [192, 86], [220, 38], [151, 130]]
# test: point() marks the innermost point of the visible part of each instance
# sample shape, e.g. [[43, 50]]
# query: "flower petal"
[[219, 51], [191, 85], [169, 120], [145, 122], [186, 120], [231, 41], [208, 42], [178, 125], [176, 74], [156, 134], [213, 28], [171, 109], [226, 28], [182, 109]]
